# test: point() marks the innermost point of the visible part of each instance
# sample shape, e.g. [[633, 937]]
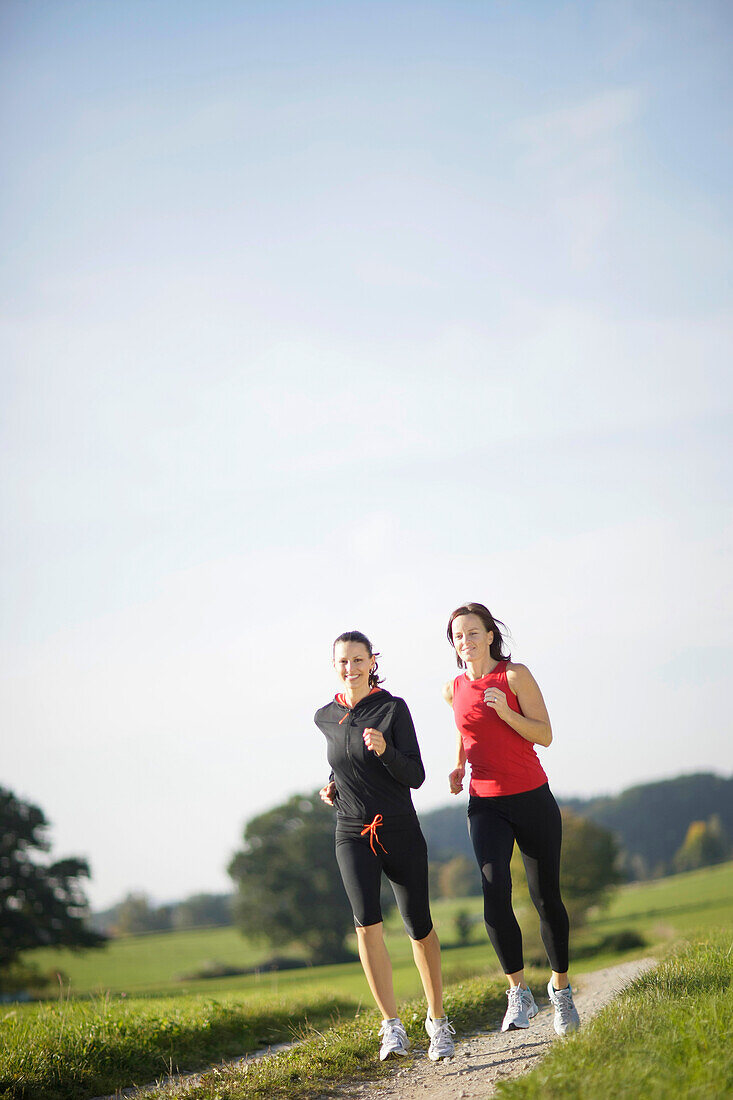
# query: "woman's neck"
[[476, 669], [354, 697]]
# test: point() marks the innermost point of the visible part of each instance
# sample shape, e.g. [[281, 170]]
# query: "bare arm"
[[533, 724], [456, 777]]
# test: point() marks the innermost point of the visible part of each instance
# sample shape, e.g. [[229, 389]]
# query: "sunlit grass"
[[84, 1047], [668, 1035], [348, 1050]]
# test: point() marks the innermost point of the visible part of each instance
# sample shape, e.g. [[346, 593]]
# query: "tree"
[[589, 861], [588, 867], [41, 904], [459, 878], [463, 925], [136, 914], [705, 844], [289, 887], [203, 911]]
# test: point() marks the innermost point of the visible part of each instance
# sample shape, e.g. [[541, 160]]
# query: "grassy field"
[[670, 906], [150, 963], [668, 1035], [81, 1047]]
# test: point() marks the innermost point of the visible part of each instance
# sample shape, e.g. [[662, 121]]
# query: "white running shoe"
[[441, 1034], [566, 1014], [394, 1038], [520, 1009]]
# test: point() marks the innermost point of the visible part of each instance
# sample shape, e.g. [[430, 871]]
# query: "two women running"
[[501, 716], [375, 761]]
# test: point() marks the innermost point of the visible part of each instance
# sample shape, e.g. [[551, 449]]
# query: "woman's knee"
[[367, 933], [496, 886], [421, 933]]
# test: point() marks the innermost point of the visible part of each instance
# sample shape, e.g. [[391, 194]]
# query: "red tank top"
[[501, 761]]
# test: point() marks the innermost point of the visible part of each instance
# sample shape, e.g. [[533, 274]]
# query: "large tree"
[[289, 887], [588, 866], [41, 904]]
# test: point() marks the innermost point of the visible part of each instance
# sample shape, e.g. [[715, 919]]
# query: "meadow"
[[668, 1035], [124, 1018], [150, 964]]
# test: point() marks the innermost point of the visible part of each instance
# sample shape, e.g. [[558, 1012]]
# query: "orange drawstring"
[[372, 830]]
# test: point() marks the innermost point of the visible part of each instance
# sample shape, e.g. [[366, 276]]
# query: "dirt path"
[[480, 1060], [483, 1059]]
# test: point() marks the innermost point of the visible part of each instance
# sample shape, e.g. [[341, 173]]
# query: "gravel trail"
[[483, 1059]]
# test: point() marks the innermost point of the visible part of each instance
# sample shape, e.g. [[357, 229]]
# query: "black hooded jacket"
[[367, 784]]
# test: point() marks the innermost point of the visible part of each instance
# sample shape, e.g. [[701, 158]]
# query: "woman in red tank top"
[[501, 716]]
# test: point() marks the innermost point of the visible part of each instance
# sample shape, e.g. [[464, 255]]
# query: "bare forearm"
[[534, 730], [533, 723], [460, 753]]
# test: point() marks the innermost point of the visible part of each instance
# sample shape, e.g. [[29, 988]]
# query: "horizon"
[[562, 799]]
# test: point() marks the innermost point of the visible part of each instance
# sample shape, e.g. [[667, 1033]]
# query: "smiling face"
[[353, 663], [472, 640]]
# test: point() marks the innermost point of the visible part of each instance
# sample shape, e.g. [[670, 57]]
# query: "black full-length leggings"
[[533, 820]]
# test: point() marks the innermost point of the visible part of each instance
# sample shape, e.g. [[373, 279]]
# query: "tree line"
[[137, 913]]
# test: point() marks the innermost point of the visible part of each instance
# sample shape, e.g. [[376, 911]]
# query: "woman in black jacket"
[[375, 760]]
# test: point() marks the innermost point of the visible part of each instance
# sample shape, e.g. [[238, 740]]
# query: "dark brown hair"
[[496, 649], [357, 636]]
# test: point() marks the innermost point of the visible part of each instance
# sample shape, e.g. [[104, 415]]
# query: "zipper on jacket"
[[349, 755]]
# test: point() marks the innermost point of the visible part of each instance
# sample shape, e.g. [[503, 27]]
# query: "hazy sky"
[[323, 316]]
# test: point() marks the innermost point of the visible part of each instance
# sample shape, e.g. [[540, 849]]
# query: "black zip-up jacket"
[[367, 784]]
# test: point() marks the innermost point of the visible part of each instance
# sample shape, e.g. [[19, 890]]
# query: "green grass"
[[149, 963], [669, 906], [668, 1035], [325, 1059], [152, 961], [83, 1047]]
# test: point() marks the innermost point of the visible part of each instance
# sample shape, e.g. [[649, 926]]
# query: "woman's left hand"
[[496, 699], [374, 740]]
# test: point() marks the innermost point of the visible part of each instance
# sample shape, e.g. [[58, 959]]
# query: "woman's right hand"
[[455, 779], [328, 793]]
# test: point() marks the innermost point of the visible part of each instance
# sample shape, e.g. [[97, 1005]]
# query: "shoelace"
[[515, 996], [443, 1032], [389, 1028], [564, 1005]]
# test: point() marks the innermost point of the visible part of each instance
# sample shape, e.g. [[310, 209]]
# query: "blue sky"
[[332, 316]]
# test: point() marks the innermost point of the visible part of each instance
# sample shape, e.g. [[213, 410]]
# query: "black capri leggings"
[[533, 820], [361, 860]]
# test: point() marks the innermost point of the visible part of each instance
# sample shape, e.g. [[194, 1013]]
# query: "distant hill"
[[650, 821]]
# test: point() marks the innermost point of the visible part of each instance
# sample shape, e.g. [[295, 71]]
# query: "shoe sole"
[[392, 1054], [515, 1027]]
